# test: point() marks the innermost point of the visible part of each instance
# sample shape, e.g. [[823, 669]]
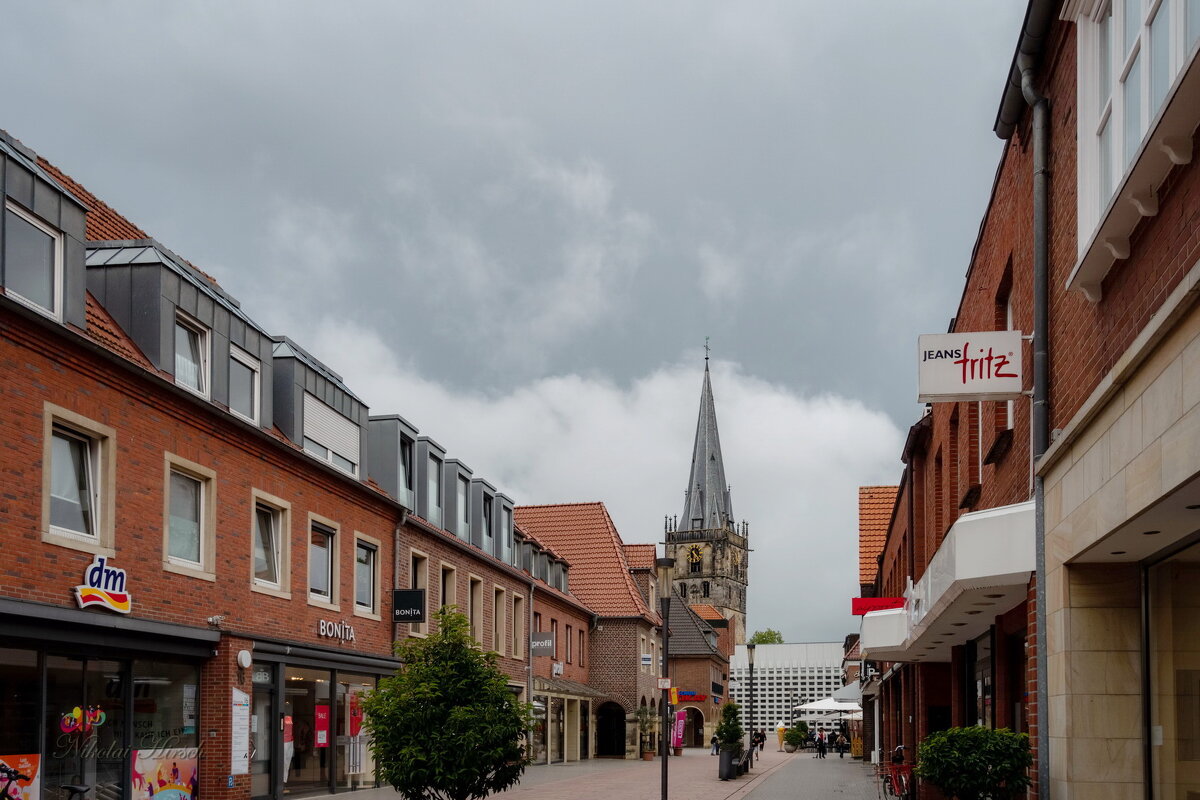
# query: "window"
[[434, 488], [270, 553], [78, 481], [366, 576], [463, 528], [489, 544], [32, 261], [554, 636], [190, 534], [506, 536], [322, 563], [448, 589], [191, 355], [694, 566], [518, 627], [704, 589], [568, 642], [419, 579], [537, 622], [330, 436], [475, 608], [74, 497], [266, 544], [582, 639], [499, 609], [407, 476], [1130, 54], [642, 661], [244, 371]]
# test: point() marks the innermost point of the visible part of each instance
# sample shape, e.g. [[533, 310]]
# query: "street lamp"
[[664, 566], [750, 661]]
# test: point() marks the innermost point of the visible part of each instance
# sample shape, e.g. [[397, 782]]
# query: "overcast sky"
[[515, 224]]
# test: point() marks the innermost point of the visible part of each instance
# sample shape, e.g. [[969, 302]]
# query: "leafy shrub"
[[976, 763], [730, 731]]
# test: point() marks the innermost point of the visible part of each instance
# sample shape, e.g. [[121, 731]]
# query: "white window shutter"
[[324, 425]]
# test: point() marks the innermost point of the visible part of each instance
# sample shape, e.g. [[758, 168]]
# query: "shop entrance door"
[[86, 726], [264, 726]]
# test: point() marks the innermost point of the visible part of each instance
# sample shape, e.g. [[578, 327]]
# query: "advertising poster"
[[677, 731], [26, 765], [321, 726], [165, 773], [239, 733]]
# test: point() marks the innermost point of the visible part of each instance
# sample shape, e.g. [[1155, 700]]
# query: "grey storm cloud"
[[527, 206]]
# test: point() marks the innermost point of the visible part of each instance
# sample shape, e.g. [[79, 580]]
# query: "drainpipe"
[[1041, 387]]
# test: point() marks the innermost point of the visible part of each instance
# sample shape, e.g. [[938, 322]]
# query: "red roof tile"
[[640, 556], [103, 223], [103, 329], [585, 535], [706, 611], [875, 505]]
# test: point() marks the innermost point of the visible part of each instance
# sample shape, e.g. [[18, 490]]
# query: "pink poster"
[[321, 726], [677, 734], [28, 765]]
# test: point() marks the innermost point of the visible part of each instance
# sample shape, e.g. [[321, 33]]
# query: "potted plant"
[[645, 721], [793, 738], [976, 763], [729, 739]]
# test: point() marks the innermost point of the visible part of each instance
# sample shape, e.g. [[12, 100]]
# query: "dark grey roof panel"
[[28, 159], [707, 492]]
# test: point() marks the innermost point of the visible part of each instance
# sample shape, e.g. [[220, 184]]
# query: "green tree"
[[446, 726], [730, 731], [769, 636], [976, 763]]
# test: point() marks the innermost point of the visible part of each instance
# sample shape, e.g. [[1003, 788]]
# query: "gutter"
[[1039, 15]]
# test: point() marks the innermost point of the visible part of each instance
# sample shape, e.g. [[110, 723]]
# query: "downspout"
[[1041, 391]]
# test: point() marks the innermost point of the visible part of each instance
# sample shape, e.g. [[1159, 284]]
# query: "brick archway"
[[693, 727]]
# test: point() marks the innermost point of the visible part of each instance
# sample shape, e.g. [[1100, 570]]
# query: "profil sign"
[[969, 366]]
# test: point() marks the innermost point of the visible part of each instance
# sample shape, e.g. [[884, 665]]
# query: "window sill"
[[273, 591], [1168, 144], [88, 544], [418, 634], [320, 602], [366, 614], [189, 571], [1000, 447]]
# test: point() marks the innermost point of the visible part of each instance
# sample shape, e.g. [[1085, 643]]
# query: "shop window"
[[322, 563], [166, 706], [355, 767], [244, 384], [1173, 587], [33, 262], [419, 579], [271, 561], [366, 576], [191, 355], [307, 716], [189, 530], [21, 694]]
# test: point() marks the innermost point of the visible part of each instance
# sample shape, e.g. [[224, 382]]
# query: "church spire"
[[707, 505]]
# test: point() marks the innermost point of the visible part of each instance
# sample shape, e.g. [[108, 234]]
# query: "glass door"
[[86, 731], [263, 728]]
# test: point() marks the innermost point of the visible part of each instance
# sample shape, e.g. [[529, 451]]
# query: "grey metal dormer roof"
[[149, 251], [286, 348], [707, 491], [18, 152]]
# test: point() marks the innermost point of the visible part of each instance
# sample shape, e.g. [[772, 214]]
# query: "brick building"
[[699, 672], [1098, 186], [625, 644], [202, 522]]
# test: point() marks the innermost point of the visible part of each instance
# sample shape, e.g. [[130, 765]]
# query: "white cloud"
[[794, 462], [720, 275]]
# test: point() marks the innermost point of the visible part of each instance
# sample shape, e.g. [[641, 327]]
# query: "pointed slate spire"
[[707, 505]]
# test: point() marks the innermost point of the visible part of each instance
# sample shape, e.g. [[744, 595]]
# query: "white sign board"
[[647, 660], [239, 734], [969, 366], [664, 683]]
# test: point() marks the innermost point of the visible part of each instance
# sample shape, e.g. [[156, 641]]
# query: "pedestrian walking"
[[841, 745], [822, 745], [713, 742]]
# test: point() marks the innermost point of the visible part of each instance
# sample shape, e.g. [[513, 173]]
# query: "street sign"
[[542, 643], [408, 605], [647, 660], [664, 683]]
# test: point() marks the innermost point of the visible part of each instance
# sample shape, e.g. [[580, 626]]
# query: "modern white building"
[[785, 676]]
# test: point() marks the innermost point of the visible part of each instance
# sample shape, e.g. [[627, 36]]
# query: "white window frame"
[[56, 237], [422, 582], [1095, 112], [190, 323], [434, 483], [475, 610], [518, 627], [499, 618], [462, 507], [205, 569], [283, 512], [102, 457], [333, 600], [255, 366], [452, 595], [376, 546]]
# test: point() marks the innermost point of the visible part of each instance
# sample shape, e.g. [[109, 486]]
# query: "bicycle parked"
[[895, 779]]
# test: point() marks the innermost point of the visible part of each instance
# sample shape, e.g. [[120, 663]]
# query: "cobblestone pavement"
[[692, 776]]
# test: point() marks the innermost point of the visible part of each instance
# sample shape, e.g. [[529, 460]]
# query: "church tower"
[[711, 551]]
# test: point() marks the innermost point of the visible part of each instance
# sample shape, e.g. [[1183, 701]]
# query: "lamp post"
[[664, 566], [750, 661]]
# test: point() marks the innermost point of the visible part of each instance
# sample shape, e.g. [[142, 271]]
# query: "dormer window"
[[244, 383], [329, 436], [463, 528], [434, 487], [488, 534], [191, 355], [33, 263]]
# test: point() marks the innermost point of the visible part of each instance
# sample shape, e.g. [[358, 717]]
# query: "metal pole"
[[750, 658], [666, 693]]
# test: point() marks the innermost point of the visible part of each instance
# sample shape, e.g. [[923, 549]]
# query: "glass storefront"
[[1174, 661], [355, 766]]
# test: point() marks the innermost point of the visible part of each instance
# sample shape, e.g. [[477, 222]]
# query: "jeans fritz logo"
[[103, 586]]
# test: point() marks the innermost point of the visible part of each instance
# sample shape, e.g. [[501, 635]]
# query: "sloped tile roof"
[[875, 505], [706, 611], [640, 556], [690, 636], [103, 223], [585, 535], [104, 330]]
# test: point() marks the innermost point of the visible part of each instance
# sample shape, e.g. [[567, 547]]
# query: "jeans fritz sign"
[[969, 366], [104, 586]]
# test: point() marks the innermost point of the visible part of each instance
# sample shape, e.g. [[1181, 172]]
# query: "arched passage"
[[693, 727], [610, 731]]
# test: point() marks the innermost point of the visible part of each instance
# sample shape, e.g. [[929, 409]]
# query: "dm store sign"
[[104, 586]]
